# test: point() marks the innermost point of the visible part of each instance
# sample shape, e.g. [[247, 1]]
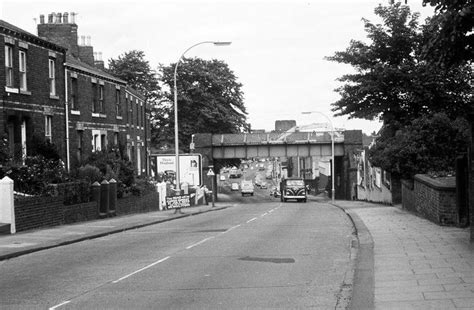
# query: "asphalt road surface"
[[259, 253]]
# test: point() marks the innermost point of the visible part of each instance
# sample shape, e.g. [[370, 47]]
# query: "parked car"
[[246, 187], [293, 188]]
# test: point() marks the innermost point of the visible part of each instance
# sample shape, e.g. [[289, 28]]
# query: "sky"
[[277, 51]]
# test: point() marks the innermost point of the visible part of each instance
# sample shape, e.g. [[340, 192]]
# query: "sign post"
[[211, 174]]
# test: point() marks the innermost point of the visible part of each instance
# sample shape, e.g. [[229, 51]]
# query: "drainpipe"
[[66, 108]]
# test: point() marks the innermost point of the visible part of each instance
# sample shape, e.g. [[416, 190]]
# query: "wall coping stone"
[[441, 183]]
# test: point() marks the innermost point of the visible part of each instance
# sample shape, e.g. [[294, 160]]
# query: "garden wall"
[[433, 198], [38, 212]]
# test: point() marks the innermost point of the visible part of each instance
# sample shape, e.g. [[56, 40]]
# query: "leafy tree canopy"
[[417, 99], [429, 144], [210, 100], [136, 71], [452, 42], [392, 81]]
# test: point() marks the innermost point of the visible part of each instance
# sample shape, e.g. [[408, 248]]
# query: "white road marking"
[[233, 227], [271, 210], [251, 220], [263, 214], [139, 270], [59, 305], [198, 243]]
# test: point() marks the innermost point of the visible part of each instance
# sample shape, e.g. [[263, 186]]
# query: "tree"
[[452, 42], [136, 71], [428, 145], [210, 100], [392, 81]]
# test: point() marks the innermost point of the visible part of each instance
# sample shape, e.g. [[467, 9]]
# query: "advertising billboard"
[[163, 168]]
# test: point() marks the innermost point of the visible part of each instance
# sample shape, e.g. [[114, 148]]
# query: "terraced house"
[[55, 88]]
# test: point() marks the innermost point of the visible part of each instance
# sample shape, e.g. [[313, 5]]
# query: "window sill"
[[25, 92], [119, 117], [53, 97], [11, 90], [99, 115], [75, 112]]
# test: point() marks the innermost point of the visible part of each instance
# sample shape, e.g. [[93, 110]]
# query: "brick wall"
[[435, 199], [138, 204], [38, 212], [33, 213]]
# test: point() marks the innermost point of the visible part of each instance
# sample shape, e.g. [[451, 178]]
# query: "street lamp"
[[332, 149], [176, 139]]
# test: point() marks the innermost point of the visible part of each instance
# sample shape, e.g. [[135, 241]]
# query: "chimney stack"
[[59, 31], [98, 62]]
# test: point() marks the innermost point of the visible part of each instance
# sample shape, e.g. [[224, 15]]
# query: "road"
[[260, 253]]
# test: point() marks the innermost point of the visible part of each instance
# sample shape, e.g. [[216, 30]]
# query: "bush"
[[38, 172], [90, 173], [142, 186]]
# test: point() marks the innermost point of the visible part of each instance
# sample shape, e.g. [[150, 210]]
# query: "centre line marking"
[[264, 214], [198, 243], [251, 220], [139, 270], [233, 227], [59, 305]]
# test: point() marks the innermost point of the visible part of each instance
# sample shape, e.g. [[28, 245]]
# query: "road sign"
[[210, 173]]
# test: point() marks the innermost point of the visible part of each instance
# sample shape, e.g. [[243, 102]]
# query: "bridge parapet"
[[275, 138]]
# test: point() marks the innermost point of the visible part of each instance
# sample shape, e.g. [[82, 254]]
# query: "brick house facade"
[[100, 110], [31, 92]]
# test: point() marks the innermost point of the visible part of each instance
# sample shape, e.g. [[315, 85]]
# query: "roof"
[[14, 30], [76, 64]]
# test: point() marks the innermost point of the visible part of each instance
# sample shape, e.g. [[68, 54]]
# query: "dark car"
[[293, 188]]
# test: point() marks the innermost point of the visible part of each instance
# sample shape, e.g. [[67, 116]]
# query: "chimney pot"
[[83, 40], [59, 18], [88, 40], [73, 17], [42, 19], [100, 56], [65, 18], [50, 18]]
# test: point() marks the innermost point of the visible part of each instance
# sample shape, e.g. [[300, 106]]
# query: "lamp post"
[[332, 149], [176, 139]]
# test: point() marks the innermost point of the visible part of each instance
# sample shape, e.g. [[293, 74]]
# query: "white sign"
[[210, 173], [163, 168]]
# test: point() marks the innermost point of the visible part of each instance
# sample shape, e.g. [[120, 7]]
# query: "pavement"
[[407, 262], [402, 261]]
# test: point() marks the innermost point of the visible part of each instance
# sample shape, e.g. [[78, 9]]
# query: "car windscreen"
[[294, 183]]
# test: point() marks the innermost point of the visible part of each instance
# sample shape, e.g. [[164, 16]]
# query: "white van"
[[246, 188]]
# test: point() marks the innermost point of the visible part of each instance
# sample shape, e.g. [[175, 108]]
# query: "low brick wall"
[[138, 204], [435, 199], [36, 212]]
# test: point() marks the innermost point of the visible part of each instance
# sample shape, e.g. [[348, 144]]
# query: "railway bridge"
[[302, 149]]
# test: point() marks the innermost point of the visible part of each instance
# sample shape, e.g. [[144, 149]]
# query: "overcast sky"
[[277, 51]]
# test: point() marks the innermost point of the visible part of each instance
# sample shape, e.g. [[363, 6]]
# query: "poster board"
[[163, 168]]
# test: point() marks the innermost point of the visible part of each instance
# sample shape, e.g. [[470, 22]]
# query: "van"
[[246, 188], [293, 188]]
